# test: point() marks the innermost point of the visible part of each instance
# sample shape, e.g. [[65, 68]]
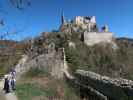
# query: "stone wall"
[[114, 89], [91, 38], [51, 62]]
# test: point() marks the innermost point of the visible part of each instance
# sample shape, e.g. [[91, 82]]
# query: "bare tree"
[[18, 4]]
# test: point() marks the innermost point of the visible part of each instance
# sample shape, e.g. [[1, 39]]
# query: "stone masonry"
[[87, 27], [91, 38]]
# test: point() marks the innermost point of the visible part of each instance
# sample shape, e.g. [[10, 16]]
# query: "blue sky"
[[44, 15]]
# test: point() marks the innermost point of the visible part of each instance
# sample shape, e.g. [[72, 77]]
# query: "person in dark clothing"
[[6, 85]]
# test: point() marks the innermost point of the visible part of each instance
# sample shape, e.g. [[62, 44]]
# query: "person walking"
[[13, 72], [5, 80], [13, 80], [9, 82], [13, 83], [6, 84]]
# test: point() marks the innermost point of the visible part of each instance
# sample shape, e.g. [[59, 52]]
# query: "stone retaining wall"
[[114, 89], [91, 38]]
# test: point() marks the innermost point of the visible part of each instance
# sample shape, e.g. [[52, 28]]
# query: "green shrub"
[[34, 72]]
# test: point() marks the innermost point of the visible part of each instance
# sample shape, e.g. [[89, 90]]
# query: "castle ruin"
[[88, 29]]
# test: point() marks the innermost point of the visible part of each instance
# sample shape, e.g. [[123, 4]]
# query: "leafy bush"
[[60, 39]]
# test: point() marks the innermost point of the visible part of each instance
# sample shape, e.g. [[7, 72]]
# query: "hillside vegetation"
[[100, 58], [10, 53], [103, 59]]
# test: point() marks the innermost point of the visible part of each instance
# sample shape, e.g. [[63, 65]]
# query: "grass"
[[28, 91], [34, 72], [39, 84]]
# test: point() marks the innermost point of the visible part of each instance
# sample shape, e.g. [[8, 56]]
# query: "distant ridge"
[[125, 39], [8, 43]]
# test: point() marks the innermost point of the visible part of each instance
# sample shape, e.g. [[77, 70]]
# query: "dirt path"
[[8, 96], [2, 97], [19, 68]]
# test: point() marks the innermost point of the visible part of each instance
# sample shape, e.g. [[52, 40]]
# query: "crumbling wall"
[[52, 62]]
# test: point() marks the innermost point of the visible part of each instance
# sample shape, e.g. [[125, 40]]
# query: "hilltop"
[[53, 54]]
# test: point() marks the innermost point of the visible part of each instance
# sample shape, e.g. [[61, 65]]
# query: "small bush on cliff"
[[60, 39]]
